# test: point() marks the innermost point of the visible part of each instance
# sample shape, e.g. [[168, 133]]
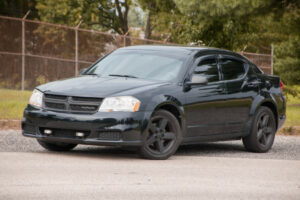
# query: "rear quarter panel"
[[270, 92]]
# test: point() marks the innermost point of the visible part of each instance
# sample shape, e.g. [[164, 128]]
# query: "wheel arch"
[[273, 108], [267, 103], [172, 109], [176, 110]]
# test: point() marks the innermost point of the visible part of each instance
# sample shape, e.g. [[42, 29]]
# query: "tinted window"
[[256, 69], [152, 65], [209, 69], [232, 69]]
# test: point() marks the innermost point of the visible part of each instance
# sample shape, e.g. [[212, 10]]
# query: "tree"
[[287, 51], [159, 15], [100, 14], [245, 24], [18, 8]]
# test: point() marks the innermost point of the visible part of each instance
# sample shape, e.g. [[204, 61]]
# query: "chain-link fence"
[[34, 52], [263, 61]]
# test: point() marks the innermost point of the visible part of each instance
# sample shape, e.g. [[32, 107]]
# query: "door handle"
[[253, 85], [219, 90]]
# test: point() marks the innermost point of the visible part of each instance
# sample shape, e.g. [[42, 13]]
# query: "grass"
[[293, 116], [294, 100], [293, 110], [13, 102]]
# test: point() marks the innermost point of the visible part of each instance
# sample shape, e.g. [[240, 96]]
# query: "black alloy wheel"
[[163, 136], [263, 131]]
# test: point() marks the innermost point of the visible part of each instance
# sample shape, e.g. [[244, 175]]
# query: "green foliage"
[[226, 24], [251, 25], [292, 93], [18, 8], [239, 25], [287, 51], [135, 17], [100, 14], [160, 17], [61, 11]]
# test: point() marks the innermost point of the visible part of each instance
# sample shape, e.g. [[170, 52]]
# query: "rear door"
[[239, 95]]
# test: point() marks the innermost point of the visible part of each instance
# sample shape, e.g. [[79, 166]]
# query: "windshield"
[[139, 64]]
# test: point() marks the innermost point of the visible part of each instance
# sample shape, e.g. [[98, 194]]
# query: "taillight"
[[281, 86]]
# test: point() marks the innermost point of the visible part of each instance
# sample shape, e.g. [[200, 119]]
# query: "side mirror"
[[82, 71], [197, 80]]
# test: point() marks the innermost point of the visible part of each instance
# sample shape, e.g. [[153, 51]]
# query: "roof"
[[180, 49], [164, 47]]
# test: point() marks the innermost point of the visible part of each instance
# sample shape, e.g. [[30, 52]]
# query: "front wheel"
[[263, 131], [163, 136], [56, 146]]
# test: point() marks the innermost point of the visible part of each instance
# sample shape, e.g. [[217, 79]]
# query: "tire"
[[263, 131], [56, 146], [163, 136]]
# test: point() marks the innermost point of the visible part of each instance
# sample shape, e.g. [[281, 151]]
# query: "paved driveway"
[[220, 170]]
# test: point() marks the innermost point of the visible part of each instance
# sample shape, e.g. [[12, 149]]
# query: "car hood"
[[94, 86]]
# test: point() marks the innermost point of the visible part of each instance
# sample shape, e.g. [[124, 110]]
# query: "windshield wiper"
[[92, 74], [122, 75]]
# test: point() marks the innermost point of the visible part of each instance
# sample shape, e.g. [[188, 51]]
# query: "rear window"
[[255, 69], [232, 69]]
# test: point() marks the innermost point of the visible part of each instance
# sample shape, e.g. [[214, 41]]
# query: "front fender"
[[160, 101]]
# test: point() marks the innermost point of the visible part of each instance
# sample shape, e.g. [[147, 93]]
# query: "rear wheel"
[[263, 131], [163, 136], [56, 146]]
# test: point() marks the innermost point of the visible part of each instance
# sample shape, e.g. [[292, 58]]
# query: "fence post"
[[272, 59], [166, 40], [23, 49], [125, 40], [76, 48]]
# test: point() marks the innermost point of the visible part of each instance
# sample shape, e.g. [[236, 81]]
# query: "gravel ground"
[[284, 148]]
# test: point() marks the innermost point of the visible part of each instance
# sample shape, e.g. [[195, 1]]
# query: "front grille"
[[64, 133], [60, 106], [85, 99], [69, 104], [83, 107], [51, 96], [109, 135]]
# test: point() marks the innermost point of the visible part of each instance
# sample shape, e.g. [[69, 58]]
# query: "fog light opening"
[[79, 134], [48, 131]]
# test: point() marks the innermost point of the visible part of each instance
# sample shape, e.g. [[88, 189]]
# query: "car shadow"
[[103, 152], [203, 149], [208, 149]]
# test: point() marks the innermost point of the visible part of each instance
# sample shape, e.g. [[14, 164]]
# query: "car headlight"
[[36, 98], [124, 103]]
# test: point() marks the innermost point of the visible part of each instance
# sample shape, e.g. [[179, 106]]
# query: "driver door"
[[205, 113]]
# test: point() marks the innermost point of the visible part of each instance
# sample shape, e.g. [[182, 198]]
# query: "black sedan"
[[156, 98]]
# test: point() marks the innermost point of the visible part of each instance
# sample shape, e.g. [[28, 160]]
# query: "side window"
[[232, 69], [256, 69], [209, 69]]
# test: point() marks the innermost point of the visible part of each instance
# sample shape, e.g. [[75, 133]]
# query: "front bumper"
[[114, 128], [281, 121]]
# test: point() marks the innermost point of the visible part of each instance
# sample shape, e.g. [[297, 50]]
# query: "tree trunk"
[[125, 25], [148, 26]]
